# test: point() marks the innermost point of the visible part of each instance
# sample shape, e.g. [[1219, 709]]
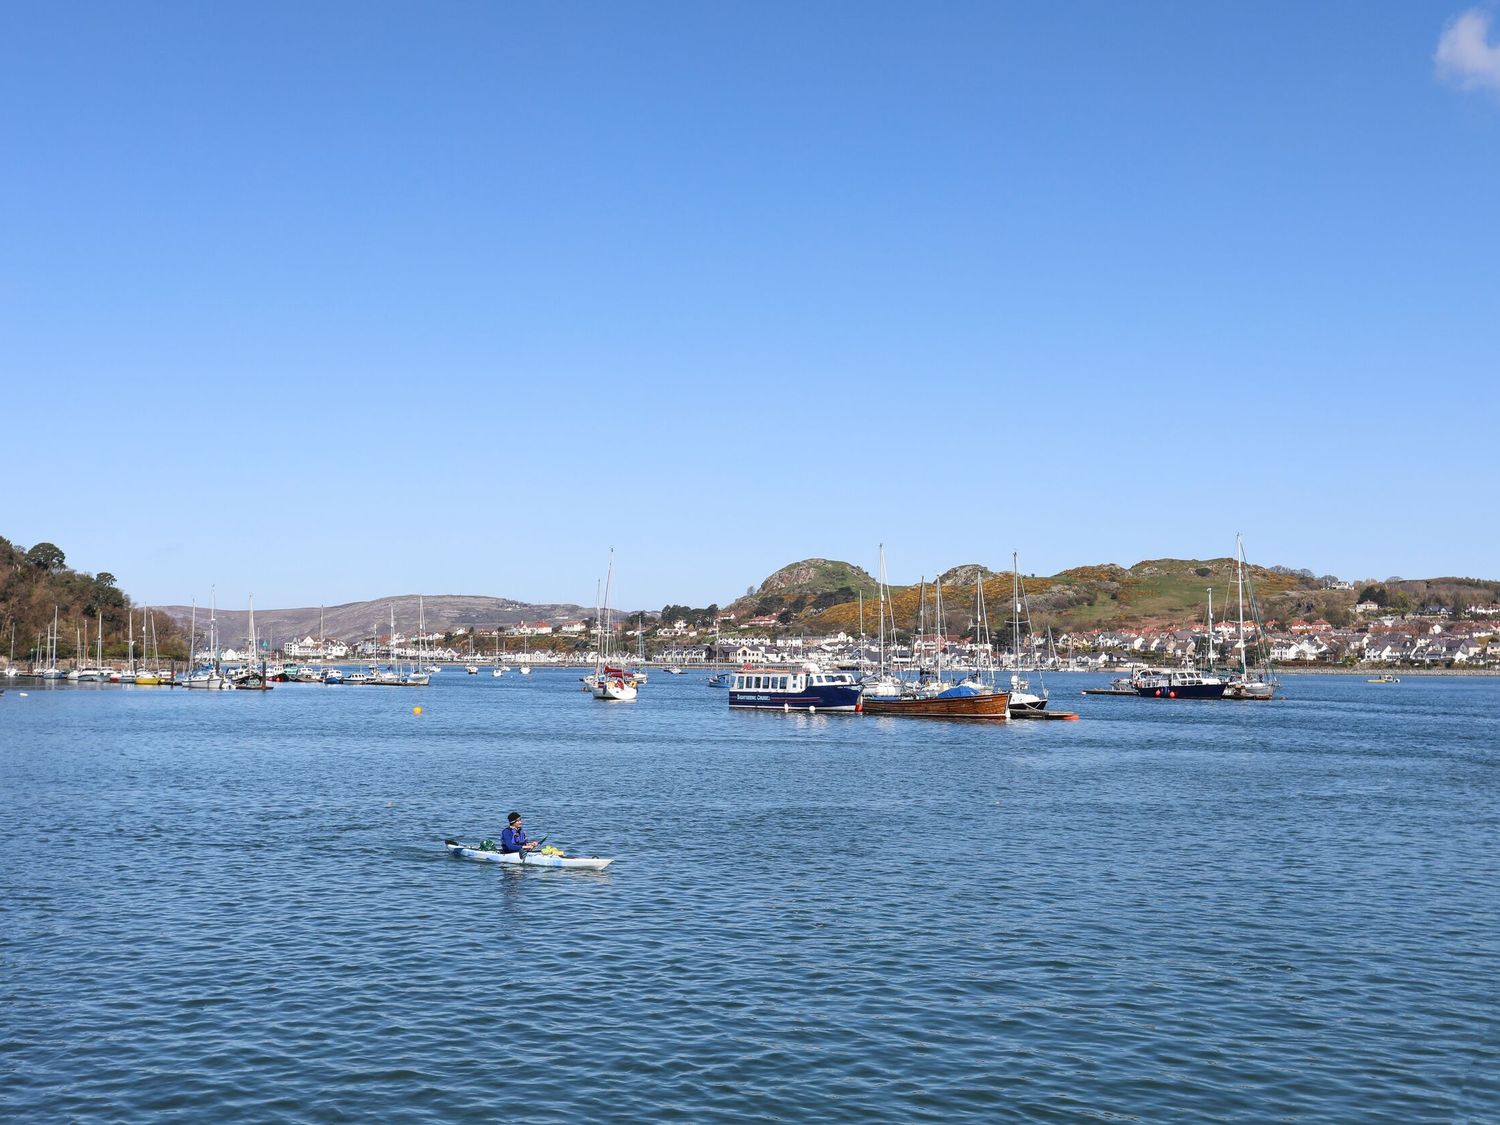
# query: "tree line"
[[35, 582]]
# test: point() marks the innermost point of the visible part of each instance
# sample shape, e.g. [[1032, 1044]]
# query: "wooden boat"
[[992, 706]]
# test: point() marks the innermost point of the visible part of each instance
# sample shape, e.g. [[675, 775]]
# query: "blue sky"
[[326, 302]]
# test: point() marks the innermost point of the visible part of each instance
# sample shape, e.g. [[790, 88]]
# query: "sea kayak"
[[531, 859]]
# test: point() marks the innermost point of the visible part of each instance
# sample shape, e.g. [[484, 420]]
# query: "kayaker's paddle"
[[539, 843]]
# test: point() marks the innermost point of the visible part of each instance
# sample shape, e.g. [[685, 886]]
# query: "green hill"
[[1159, 592]]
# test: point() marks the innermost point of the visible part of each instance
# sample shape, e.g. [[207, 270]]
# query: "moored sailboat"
[[1258, 683], [1021, 697], [609, 684]]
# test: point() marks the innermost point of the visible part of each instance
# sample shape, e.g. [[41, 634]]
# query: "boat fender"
[[1158, 693], [812, 709], [1171, 695]]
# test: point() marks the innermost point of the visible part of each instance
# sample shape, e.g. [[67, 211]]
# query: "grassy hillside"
[[1155, 592]]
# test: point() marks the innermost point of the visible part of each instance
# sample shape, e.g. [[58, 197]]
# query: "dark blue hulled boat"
[[794, 689], [1179, 684]]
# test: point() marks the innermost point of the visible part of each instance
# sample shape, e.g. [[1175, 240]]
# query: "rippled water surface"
[[235, 907]]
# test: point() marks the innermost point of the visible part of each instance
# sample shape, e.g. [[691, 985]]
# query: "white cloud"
[[1465, 56]]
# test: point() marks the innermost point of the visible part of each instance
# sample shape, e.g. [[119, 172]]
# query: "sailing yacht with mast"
[[884, 685], [610, 684], [1259, 684], [84, 674], [150, 653], [1021, 698], [249, 677], [210, 676], [722, 676], [10, 668], [418, 676], [52, 671]]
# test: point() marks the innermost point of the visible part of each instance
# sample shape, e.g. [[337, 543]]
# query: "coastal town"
[[1416, 640], [61, 623]]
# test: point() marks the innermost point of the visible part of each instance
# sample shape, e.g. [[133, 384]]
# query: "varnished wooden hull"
[[993, 707]]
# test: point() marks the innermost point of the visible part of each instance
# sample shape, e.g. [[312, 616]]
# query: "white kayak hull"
[[582, 862]]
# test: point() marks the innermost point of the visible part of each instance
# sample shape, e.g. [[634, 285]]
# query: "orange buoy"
[[416, 710]]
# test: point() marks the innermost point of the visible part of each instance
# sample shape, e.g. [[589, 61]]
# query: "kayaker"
[[513, 836]]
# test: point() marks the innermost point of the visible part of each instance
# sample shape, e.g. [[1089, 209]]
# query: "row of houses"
[[1421, 643]]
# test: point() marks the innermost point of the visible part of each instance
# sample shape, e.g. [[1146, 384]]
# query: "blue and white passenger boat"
[[808, 688]]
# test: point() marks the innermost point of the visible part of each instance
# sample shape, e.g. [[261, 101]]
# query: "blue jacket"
[[513, 839]]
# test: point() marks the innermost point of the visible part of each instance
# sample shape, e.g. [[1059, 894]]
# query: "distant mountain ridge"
[[354, 620]]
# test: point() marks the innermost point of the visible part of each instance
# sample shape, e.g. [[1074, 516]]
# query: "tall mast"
[[1210, 645], [1239, 570], [1015, 600], [985, 649], [921, 620], [861, 631], [609, 578], [598, 630], [193, 639], [941, 626], [882, 594]]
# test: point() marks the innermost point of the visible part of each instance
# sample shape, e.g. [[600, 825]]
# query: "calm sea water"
[[235, 907]]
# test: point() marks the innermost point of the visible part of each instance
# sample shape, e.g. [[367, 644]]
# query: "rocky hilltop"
[[807, 586]]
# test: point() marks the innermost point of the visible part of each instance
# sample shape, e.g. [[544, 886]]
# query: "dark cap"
[[511, 818]]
